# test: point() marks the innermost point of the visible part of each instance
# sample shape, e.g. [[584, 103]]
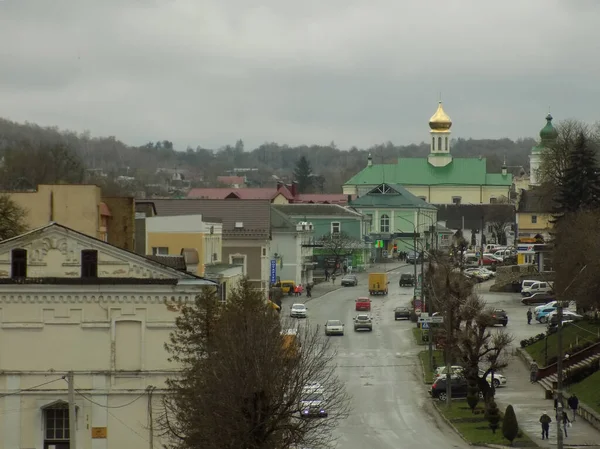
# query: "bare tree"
[[555, 159], [339, 245], [12, 218], [468, 337], [243, 385], [500, 217], [577, 245]]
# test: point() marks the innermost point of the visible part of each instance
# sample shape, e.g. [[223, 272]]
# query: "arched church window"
[[446, 145], [433, 144], [439, 143]]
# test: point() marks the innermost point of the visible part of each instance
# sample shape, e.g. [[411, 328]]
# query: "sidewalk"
[[529, 403]]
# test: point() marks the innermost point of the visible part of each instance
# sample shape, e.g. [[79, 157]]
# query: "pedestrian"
[[333, 278], [326, 275], [529, 316], [545, 421], [345, 269], [573, 403], [533, 372], [309, 290], [565, 422]]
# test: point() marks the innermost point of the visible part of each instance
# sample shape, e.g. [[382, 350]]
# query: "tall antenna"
[[382, 167]]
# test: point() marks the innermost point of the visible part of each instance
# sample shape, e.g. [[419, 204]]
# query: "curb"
[[447, 421]]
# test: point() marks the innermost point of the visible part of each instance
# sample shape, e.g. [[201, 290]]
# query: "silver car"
[[363, 322], [334, 327], [298, 311]]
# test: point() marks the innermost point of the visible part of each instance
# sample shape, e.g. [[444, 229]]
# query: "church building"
[[439, 178]]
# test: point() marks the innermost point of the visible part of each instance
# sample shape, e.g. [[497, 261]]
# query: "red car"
[[363, 304]]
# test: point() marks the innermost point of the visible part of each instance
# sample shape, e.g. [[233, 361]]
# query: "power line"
[[87, 398], [30, 388], [128, 427]]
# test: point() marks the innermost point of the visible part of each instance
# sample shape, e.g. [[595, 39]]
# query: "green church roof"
[[548, 134], [418, 171], [392, 196]]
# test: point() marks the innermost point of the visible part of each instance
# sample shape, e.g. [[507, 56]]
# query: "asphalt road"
[[390, 405]]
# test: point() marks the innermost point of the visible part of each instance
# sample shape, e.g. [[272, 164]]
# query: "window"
[[238, 259], [18, 263], [56, 424], [490, 229], [89, 263], [384, 223], [264, 251], [336, 227], [160, 251], [439, 143], [533, 219], [456, 199], [446, 145], [433, 144], [223, 292]]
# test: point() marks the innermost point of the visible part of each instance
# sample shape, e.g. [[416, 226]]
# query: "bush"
[[472, 395], [492, 414], [510, 426], [576, 375], [529, 341]]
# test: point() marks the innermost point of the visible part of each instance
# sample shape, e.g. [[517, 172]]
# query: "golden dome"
[[440, 121]]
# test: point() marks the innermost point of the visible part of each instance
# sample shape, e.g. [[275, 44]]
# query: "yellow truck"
[[378, 283]]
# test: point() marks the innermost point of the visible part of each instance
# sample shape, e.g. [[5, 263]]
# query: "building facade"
[[291, 252], [397, 217], [440, 178], [246, 230], [534, 217], [72, 303], [548, 136], [171, 235], [80, 207]]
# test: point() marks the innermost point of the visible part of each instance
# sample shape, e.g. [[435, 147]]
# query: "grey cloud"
[[357, 72]]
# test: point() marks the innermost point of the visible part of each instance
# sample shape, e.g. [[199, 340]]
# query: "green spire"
[[548, 133]]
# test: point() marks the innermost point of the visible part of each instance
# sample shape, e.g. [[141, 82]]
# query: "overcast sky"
[[357, 72]]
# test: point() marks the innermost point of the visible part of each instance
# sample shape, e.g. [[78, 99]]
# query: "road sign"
[[273, 271], [425, 325], [437, 319], [418, 311], [431, 319]]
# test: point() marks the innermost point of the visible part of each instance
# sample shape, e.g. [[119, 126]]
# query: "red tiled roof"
[[231, 179], [250, 193]]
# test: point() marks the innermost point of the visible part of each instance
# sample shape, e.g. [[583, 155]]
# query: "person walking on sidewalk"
[[333, 278], [545, 421], [529, 316], [533, 372], [326, 275], [573, 403], [309, 290], [565, 422]]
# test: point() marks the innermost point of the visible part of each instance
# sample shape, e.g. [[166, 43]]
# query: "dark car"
[[499, 316], [407, 279], [349, 281], [538, 298], [458, 388], [401, 312]]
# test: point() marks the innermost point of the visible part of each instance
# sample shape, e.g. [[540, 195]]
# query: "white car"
[[455, 371], [334, 327], [298, 311], [458, 371], [499, 379]]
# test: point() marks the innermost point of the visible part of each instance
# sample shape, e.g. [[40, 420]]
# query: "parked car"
[[455, 370], [542, 314], [364, 322], [478, 274], [538, 298], [401, 312], [499, 316], [568, 316], [407, 280], [535, 287], [363, 304], [499, 379], [458, 388], [458, 371], [298, 311], [334, 327], [349, 281]]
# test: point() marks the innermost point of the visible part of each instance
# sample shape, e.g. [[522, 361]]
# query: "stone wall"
[[507, 275]]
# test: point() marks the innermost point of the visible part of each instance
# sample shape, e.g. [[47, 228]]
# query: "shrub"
[[472, 396], [510, 426], [492, 414], [529, 341]]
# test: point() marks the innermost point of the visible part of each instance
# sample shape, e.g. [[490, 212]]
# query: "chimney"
[[294, 188], [280, 185], [369, 160]]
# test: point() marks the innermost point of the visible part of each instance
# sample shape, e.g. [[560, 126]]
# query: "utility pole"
[[72, 412], [448, 318], [482, 245], [559, 374]]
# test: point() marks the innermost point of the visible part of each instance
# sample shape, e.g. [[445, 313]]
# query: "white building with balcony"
[[289, 240], [72, 303]]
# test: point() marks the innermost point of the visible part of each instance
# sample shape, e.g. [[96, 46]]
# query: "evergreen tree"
[[510, 426], [580, 187], [472, 395], [492, 414], [303, 174]]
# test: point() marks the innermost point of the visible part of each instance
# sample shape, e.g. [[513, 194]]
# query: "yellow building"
[[169, 236], [534, 220], [439, 178], [81, 208]]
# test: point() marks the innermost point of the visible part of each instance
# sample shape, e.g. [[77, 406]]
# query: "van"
[[536, 287], [378, 283]]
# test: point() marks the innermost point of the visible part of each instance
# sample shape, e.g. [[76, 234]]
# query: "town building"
[[439, 178], [290, 249], [281, 194], [246, 233], [548, 136], [74, 303], [534, 217], [400, 220], [80, 207], [332, 219]]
